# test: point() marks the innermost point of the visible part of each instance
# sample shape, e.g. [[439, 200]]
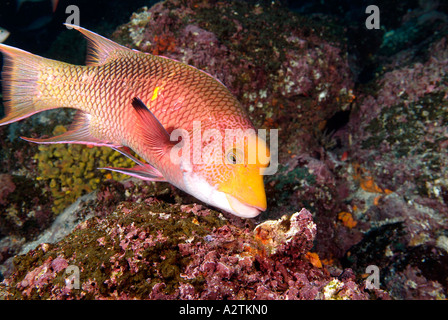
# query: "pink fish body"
[[176, 117]]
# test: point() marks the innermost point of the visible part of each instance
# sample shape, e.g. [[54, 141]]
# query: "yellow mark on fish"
[[154, 95]]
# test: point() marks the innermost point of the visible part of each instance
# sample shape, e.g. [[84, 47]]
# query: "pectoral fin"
[[152, 132]]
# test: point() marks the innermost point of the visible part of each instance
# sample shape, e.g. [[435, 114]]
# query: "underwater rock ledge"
[[151, 250]]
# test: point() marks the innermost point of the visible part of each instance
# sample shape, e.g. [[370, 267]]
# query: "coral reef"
[[151, 250]]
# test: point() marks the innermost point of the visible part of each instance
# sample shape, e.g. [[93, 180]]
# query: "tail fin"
[[20, 85]]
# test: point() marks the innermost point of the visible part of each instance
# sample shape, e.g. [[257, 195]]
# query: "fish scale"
[[129, 99]]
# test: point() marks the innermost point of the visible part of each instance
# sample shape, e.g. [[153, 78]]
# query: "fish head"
[[230, 175], [245, 162]]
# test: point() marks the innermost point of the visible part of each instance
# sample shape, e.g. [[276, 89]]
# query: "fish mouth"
[[242, 209]]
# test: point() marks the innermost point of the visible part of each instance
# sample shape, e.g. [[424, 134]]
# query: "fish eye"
[[234, 156]]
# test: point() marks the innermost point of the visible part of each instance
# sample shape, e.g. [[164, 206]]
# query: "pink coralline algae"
[[180, 252], [41, 276]]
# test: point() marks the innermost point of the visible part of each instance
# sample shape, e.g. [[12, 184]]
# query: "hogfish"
[[187, 126]]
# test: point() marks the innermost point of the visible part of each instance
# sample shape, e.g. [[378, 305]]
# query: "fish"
[[188, 128], [4, 34]]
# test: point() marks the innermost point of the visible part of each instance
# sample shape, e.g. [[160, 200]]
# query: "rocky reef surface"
[[154, 250], [362, 178]]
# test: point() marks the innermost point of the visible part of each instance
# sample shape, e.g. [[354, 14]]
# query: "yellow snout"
[[244, 187], [245, 191]]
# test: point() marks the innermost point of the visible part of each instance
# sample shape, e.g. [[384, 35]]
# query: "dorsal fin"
[[99, 49]]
